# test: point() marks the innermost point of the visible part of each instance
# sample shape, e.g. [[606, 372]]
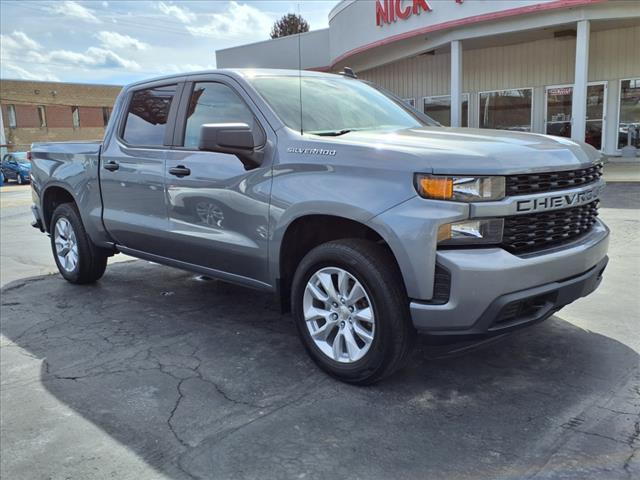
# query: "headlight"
[[461, 189], [471, 232]]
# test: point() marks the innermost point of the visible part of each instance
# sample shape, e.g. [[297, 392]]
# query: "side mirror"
[[234, 138]]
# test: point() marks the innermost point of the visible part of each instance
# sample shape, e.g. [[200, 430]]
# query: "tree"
[[289, 24]]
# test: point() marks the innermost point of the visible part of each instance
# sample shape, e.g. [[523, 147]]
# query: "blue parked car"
[[16, 166]]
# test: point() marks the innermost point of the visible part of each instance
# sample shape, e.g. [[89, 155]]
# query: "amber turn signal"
[[438, 188]]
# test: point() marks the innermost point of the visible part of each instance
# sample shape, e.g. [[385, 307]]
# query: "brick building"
[[53, 111]]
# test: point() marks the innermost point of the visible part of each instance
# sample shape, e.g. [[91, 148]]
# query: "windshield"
[[333, 106]]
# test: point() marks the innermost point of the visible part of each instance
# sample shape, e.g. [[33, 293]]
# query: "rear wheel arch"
[[53, 197]]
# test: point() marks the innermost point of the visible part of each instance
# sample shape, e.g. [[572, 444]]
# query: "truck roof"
[[238, 73]]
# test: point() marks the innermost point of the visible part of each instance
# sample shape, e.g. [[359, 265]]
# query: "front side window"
[[506, 109], [42, 116], [439, 108], [629, 120], [75, 117], [213, 103], [333, 104], [147, 116], [11, 113]]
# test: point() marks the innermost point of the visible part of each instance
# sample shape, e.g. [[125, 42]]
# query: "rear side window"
[[147, 116], [213, 103]]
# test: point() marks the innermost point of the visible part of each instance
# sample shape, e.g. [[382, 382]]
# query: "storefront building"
[[562, 67]]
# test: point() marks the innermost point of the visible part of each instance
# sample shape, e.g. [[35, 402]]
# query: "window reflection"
[[629, 119], [147, 116], [439, 108], [213, 103], [506, 109]]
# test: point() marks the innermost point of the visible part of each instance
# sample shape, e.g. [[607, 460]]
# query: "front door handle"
[[180, 171], [111, 166]]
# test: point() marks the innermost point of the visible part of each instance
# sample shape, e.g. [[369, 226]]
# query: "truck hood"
[[479, 151]]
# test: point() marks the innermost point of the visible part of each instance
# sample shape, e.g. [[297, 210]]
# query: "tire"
[[91, 261], [374, 268]]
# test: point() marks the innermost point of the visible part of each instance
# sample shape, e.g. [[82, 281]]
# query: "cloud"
[[69, 8], [95, 57], [17, 41], [181, 14], [19, 47], [236, 22], [25, 41], [114, 40], [37, 74]]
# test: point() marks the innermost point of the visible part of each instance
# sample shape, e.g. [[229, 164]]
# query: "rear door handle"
[[111, 166], [180, 171]]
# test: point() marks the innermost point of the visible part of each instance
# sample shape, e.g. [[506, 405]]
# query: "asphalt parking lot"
[[153, 373]]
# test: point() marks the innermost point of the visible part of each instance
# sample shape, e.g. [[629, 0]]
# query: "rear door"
[[132, 168], [218, 211]]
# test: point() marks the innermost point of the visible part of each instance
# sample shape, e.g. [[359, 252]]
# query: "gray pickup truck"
[[366, 218]]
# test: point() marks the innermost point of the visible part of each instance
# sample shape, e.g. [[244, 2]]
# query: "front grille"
[[547, 182], [537, 231]]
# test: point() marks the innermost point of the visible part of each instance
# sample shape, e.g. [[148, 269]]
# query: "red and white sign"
[[388, 11], [560, 91]]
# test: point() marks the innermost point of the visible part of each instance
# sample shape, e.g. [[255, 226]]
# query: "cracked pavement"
[[153, 373]]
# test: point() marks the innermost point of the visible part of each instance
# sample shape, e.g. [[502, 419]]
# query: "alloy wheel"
[[339, 314], [66, 245]]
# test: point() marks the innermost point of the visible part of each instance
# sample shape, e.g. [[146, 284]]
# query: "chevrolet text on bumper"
[[369, 221]]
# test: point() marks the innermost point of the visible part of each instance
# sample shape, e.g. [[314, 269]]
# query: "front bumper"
[[493, 291]]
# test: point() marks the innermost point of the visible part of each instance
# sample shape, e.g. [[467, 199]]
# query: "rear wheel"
[[351, 310], [78, 259]]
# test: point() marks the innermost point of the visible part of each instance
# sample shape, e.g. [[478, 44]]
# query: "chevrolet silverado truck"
[[366, 218]]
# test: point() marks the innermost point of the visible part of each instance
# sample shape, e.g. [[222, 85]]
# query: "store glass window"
[[559, 109], [506, 109], [213, 103], [439, 108], [629, 119], [147, 117], [559, 104], [594, 127]]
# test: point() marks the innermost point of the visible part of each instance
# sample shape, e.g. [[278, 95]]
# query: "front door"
[[132, 170], [218, 210], [558, 118]]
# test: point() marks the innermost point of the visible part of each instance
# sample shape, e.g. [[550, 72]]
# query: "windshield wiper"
[[333, 133]]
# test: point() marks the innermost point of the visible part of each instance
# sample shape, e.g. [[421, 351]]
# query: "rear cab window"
[[147, 116]]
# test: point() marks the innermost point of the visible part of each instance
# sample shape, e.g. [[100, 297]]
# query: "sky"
[[120, 41]]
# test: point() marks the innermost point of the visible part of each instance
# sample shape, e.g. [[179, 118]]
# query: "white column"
[[579, 103], [456, 83]]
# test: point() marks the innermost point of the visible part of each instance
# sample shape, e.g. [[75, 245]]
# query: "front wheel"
[[78, 259], [351, 310]]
